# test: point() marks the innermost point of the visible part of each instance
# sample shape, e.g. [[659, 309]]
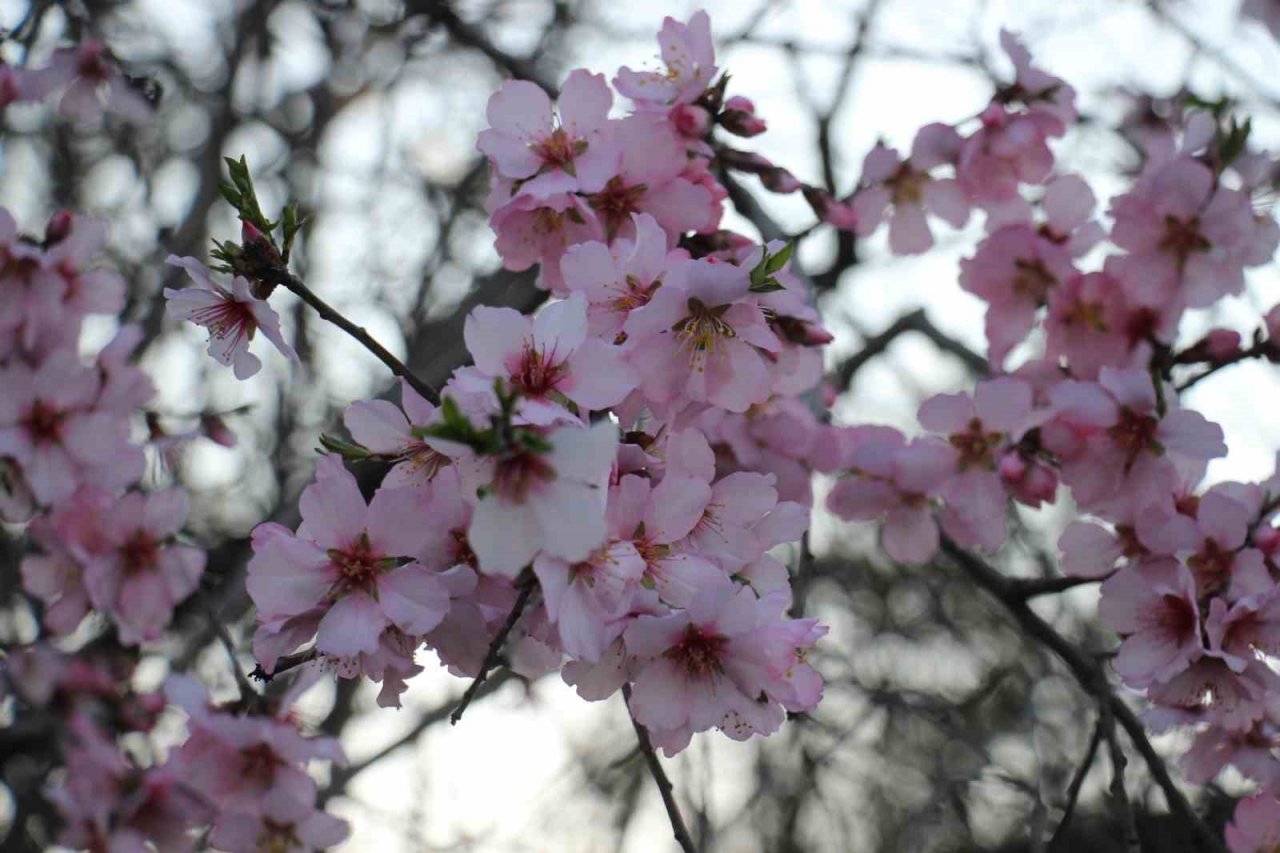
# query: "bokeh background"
[[943, 729]]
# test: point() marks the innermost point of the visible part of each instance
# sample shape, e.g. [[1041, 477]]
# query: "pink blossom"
[[49, 425], [354, 561], [907, 191], [32, 295], [548, 358], [715, 664], [587, 600], [284, 825], [978, 428], [532, 230], [551, 501], [1255, 827], [139, 575], [700, 339], [1249, 751], [528, 145], [1092, 325], [1039, 91], [1009, 149], [886, 478], [1114, 446], [94, 85], [1014, 270], [1212, 539], [1211, 690], [232, 318], [689, 57], [1154, 604], [618, 278], [386, 429], [652, 179], [656, 520], [1188, 239]]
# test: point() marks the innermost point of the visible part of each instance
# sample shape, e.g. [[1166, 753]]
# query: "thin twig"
[[1092, 678], [327, 312], [916, 321], [247, 691], [1032, 587], [1119, 796], [495, 647], [1073, 789], [659, 775], [284, 664], [342, 776]]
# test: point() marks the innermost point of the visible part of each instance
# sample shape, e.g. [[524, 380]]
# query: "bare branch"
[[678, 828], [528, 585]]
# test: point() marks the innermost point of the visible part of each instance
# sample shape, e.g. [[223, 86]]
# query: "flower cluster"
[[66, 447], [1191, 578], [70, 469], [87, 81], [612, 473], [240, 777]]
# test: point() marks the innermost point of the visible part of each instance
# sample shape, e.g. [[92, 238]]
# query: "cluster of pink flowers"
[[1192, 581], [70, 469], [70, 463], [240, 776], [86, 80], [625, 461], [607, 490]]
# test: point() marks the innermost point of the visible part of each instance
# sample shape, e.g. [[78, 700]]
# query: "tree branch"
[[1073, 789], [495, 647], [294, 284], [659, 775], [916, 321], [1092, 678]]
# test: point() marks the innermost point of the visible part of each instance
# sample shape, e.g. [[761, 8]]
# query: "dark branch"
[[659, 775], [327, 312], [1073, 789], [916, 321], [1092, 678], [495, 648]]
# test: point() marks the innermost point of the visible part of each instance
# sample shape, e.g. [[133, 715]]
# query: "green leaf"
[[769, 285], [778, 261], [345, 449], [231, 194]]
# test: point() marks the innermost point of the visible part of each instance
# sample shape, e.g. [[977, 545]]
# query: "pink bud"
[[249, 233], [739, 117], [215, 429], [840, 215], [1221, 344], [816, 336], [1273, 323], [58, 228], [1267, 540], [691, 121]]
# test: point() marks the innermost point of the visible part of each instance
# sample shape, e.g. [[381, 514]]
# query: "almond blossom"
[[548, 358], [701, 339], [232, 317], [528, 145], [350, 561]]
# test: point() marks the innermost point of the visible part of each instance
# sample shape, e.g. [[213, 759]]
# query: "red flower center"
[[539, 372], [139, 552], [699, 652], [43, 423], [519, 473]]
